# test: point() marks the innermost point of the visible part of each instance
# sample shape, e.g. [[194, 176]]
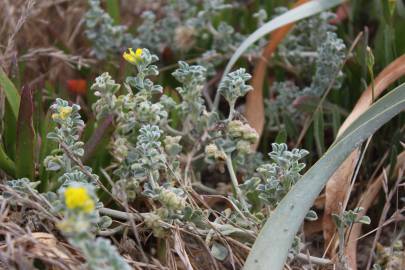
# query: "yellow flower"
[[64, 113], [133, 57], [78, 198]]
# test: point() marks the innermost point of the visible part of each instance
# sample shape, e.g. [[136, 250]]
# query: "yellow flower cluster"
[[78, 198], [63, 113], [133, 57]]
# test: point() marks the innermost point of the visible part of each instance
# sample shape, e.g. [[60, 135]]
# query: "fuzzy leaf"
[[219, 251], [311, 215], [364, 220]]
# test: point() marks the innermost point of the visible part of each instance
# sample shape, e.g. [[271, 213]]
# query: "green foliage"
[[101, 254], [192, 79], [348, 218], [106, 37], [317, 57], [345, 220], [13, 97], [25, 141], [168, 141], [274, 180], [234, 85]]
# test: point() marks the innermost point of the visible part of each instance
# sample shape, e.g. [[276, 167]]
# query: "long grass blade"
[[271, 247], [25, 162], [12, 95]]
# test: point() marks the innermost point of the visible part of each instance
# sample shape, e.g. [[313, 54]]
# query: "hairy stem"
[[235, 184]]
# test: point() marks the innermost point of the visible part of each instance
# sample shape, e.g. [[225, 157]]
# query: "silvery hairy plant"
[[275, 179], [139, 145], [107, 38], [316, 53], [155, 160], [147, 149], [70, 150], [76, 200], [179, 26]]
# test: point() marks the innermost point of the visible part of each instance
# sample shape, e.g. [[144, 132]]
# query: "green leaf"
[[311, 215], [219, 251], [337, 220], [364, 220], [401, 8], [319, 132], [25, 162], [281, 136], [271, 247], [290, 126], [6, 164], [12, 95], [113, 9], [377, 266], [9, 131], [336, 123], [309, 104], [47, 145]]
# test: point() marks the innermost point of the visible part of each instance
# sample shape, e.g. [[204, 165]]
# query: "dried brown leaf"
[[338, 185], [368, 198]]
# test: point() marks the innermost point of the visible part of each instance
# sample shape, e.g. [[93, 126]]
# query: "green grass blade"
[[319, 133], [6, 164], [12, 95], [25, 162], [271, 247], [9, 131], [113, 9]]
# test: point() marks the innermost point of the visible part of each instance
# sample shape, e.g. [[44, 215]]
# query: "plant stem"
[[120, 214], [152, 180], [235, 184], [231, 111]]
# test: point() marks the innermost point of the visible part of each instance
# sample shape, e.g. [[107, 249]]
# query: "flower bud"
[[171, 200], [243, 147], [250, 134], [184, 37], [235, 128], [211, 149]]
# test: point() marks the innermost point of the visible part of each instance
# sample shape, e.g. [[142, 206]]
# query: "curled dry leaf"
[[254, 107], [366, 201], [53, 247], [338, 185], [45, 245]]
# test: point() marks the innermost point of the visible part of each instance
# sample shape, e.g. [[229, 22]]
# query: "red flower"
[[78, 87]]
